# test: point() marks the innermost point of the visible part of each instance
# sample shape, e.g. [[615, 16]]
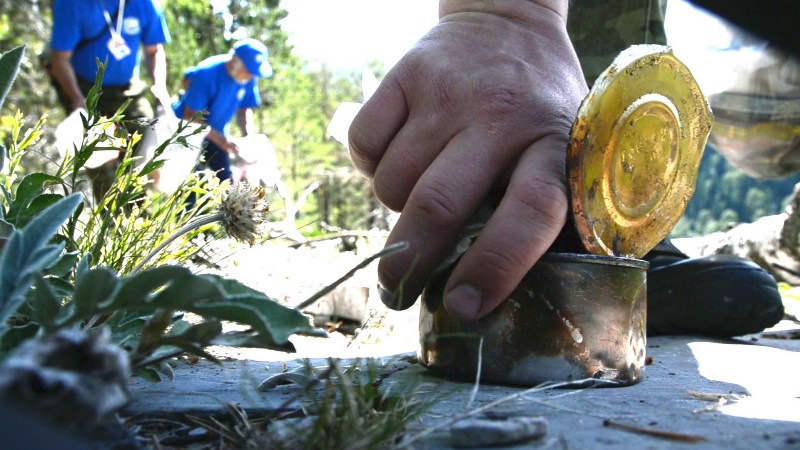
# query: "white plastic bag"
[[257, 161], [179, 160], [339, 125], [69, 134]]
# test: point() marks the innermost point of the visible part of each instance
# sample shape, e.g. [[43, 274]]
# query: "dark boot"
[[716, 295]]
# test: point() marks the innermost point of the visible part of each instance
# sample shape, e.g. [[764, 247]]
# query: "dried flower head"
[[243, 208]]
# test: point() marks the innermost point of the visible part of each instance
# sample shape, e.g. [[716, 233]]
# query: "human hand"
[[484, 101], [223, 142], [231, 147]]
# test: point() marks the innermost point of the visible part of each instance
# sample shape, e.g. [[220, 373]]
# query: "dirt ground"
[[291, 273]]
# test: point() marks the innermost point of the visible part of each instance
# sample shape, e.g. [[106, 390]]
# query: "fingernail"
[[389, 298], [463, 301]]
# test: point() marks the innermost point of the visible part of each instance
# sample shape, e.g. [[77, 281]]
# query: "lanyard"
[[120, 15]]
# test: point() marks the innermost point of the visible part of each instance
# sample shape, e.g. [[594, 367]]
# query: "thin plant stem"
[[396, 247], [158, 359], [477, 384], [196, 223], [540, 388]]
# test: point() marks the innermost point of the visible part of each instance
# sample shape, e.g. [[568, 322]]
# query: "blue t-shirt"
[[213, 90], [80, 26]]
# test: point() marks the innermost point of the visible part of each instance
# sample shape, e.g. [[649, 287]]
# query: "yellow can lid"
[[635, 151]]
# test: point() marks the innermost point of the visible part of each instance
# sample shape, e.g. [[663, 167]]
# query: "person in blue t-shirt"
[[112, 31], [221, 87]]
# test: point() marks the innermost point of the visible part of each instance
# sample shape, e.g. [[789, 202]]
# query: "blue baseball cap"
[[254, 56]]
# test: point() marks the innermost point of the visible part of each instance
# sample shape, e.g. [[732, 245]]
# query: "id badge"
[[117, 46]]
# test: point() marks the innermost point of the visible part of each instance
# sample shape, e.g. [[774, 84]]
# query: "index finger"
[[527, 221], [447, 194]]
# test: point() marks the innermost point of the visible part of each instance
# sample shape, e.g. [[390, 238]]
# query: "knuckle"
[[389, 194], [544, 199], [504, 263], [556, 120], [437, 203], [360, 151]]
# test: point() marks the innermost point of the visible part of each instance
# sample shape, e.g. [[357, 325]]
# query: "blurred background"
[[328, 56]]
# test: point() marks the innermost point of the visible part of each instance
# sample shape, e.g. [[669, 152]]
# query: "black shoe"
[[717, 295]]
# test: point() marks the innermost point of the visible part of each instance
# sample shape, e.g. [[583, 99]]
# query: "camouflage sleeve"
[[600, 29]]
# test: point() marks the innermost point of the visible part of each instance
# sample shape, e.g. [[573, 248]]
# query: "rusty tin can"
[[573, 317], [632, 165]]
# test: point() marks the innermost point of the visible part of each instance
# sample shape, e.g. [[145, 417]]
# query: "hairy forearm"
[[520, 10], [218, 138]]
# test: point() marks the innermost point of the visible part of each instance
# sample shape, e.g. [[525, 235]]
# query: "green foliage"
[[354, 413], [28, 251], [338, 408], [725, 196], [64, 265], [297, 102], [296, 124], [99, 291], [194, 30], [9, 66], [126, 222], [344, 408]]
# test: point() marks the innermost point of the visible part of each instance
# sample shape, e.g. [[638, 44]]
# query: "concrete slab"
[[204, 388], [698, 393], [675, 406]]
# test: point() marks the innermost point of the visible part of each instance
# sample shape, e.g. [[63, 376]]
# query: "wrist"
[[217, 138], [528, 11]]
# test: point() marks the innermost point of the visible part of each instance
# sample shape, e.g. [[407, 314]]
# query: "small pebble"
[[487, 432], [199, 431]]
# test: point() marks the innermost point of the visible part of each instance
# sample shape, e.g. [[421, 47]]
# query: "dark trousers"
[[217, 160]]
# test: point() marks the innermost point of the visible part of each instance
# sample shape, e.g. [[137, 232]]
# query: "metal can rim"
[[588, 258]]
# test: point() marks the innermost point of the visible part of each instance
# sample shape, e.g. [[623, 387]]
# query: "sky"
[[347, 34]]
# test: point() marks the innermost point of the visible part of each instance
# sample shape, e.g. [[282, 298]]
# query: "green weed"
[[67, 264]]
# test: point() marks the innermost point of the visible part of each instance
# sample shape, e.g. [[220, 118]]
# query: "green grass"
[[342, 407]]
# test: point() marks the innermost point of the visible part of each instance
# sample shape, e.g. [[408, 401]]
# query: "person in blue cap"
[[221, 87]]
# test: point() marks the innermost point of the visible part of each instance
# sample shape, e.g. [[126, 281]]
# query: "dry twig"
[[447, 423], [394, 248], [653, 432]]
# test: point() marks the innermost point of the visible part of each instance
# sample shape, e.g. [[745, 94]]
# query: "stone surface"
[[669, 408], [496, 431], [697, 392], [204, 388], [732, 394]]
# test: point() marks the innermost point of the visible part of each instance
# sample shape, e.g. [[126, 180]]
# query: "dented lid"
[[635, 151]]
